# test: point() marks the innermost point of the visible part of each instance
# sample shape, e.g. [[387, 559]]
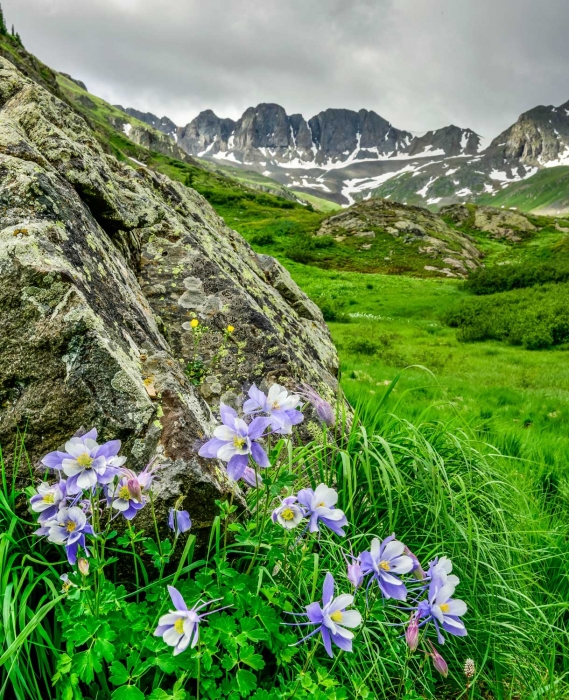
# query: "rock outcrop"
[[103, 266], [415, 231]]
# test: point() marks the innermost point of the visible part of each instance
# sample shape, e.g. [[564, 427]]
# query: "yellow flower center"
[[336, 616], [49, 498], [179, 625], [287, 514], [194, 323], [384, 565], [85, 461], [321, 505], [445, 607], [239, 442], [66, 586], [70, 526], [276, 406], [124, 493]]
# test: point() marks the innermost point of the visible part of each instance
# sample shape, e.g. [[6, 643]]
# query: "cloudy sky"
[[421, 64]]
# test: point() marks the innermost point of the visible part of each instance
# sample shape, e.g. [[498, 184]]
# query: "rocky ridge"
[[346, 156], [103, 266]]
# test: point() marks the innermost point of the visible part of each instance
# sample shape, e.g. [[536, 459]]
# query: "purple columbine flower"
[[289, 514], [179, 627], [386, 561], [69, 528], [85, 462], [320, 505], [234, 441], [332, 618], [278, 404], [126, 496], [440, 568], [323, 409], [48, 499], [443, 610], [179, 521]]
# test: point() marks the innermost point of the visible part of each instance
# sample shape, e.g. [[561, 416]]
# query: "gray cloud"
[[419, 63]]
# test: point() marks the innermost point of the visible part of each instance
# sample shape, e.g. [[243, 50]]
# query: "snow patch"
[[127, 128], [423, 190]]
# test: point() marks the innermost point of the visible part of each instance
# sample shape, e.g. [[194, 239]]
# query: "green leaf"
[[246, 681], [175, 694], [119, 674], [228, 662], [105, 649], [86, 664], [127, 692], [248, 656], [251, 628]]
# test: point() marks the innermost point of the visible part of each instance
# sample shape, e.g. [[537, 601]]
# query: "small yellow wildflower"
[[194, 323], [230, 329]]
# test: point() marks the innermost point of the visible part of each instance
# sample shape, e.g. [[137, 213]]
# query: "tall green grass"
[[29, 639]]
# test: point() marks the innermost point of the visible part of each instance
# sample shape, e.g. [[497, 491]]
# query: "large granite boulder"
[[103, 266]]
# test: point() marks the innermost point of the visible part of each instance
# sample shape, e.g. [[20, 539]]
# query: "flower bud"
[[438, 662], [325, 412], [83, 566], [412, 634], [179, 521], [417, 569], [469, 668], [355, 575], [135, 490]]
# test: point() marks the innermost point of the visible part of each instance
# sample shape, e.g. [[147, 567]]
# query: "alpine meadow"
[[284, 399]]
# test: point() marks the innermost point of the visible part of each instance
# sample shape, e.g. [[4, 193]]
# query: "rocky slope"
[[163, 124], [103, 266], [417, 238]]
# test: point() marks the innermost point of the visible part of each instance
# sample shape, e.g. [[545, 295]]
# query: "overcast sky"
[[421, 64]]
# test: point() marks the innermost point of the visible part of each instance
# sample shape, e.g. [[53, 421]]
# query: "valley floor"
[[514, 398]]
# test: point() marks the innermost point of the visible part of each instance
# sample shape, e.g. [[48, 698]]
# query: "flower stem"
[[134, 558]]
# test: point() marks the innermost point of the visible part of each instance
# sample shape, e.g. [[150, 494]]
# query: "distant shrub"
[[502, 278], [369, 285], [333, 313], [364, 346], [302, 248], [263, 239], [535, 318]]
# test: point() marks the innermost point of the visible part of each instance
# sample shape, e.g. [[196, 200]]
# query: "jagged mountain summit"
[[346, 156]]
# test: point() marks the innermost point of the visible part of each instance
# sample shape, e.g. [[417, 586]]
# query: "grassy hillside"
[[546, 192]]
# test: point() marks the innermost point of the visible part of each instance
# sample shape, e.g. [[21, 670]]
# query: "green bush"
[[501, 278], [263, 239], [535, 317]]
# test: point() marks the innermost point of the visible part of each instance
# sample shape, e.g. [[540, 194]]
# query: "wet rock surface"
[[103, 267]]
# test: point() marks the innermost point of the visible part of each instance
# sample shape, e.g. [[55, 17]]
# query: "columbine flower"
[[278, 404], [47, 500], [320, 506], [323, 409], [234, 441], [443, 610], [385, 561], [441, 569], [86, 462], [332, 618], [438, 662], [179, 628], [67, 584], [355, 573], [412, 633], [289, 514], [69, 528], [126, 496], [179, 521]]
